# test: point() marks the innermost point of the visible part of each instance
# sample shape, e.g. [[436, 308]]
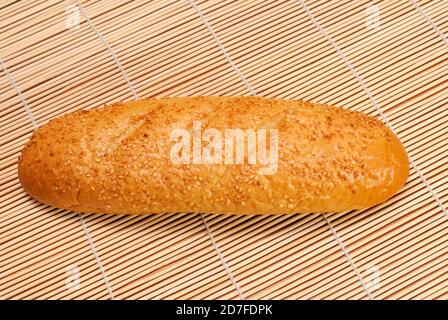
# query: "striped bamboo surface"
[[388, 59]]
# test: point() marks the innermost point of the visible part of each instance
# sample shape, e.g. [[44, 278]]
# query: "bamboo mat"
[[388, 59]]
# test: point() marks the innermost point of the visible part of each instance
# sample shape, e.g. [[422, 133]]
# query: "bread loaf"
[[181, 155]]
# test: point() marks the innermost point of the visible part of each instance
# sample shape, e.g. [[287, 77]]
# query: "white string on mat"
[[112, 53], [131, 87], [97, 258], [224, 263], [348, 257], [430, 21], [252, 91], [362, 83], [221, 47], [19, 93], [81, 219]]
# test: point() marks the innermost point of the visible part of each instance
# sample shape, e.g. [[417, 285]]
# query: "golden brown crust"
[[116, 159]]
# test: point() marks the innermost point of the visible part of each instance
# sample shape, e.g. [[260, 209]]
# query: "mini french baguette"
[[139, 157]]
